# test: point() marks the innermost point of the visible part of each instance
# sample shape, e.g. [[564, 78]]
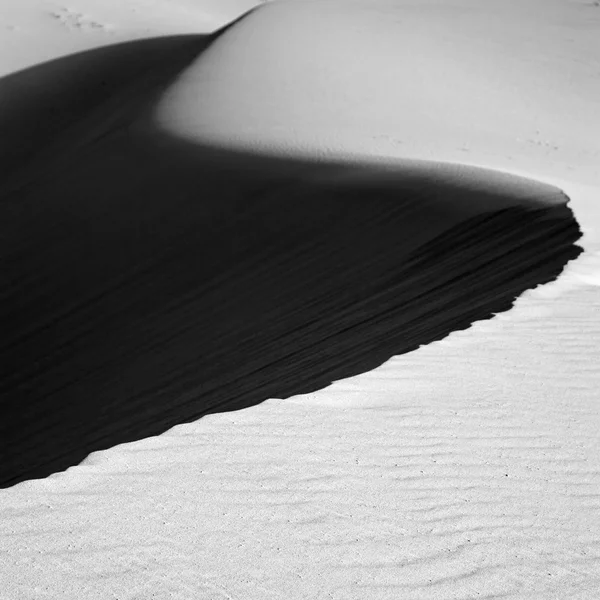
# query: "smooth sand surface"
[[188, 227]]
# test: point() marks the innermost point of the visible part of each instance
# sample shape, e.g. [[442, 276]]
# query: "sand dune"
[[161, 279], [201, 223]]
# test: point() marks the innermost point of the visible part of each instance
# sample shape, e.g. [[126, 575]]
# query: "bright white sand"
[[469, 468]]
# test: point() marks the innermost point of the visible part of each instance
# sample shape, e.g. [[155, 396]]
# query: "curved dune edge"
[[161, 279]]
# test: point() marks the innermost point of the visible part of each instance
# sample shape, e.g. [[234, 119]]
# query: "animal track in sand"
[[78, 21]]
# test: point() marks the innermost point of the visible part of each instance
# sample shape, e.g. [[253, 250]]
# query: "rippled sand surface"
[[205, 223]]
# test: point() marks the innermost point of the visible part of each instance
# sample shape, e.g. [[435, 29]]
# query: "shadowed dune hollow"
[[148, 280]]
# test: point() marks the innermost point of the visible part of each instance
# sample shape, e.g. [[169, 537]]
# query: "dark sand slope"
[[147, 281]]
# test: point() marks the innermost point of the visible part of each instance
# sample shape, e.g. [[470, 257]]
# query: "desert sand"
[[359, 240]]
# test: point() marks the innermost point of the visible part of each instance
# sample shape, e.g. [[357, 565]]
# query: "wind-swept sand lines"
[[457, 495], [163, 275]]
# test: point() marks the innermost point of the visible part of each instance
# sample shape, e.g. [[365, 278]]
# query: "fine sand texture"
[[373, 226]]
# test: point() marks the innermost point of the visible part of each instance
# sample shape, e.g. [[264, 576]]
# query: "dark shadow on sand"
[[148, 281]]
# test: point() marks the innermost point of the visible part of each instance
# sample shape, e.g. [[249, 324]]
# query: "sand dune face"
[[53, 110], [152, 279], [425, 79]]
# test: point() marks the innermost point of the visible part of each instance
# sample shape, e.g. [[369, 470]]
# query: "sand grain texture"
[[467, 468]]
